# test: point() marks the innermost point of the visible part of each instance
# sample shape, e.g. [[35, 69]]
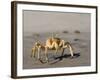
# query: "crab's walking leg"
[[68, 45], [33, 52], [39, 50], [71, 50], [46, 54]]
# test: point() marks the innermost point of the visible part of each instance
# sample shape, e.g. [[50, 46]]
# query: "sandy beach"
[[71, 27], [80, 43]]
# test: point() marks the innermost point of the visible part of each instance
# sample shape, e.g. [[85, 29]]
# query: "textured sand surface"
[[39, 25], [80, 43]]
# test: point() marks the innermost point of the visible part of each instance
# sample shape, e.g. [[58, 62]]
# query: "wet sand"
[[79, 41]]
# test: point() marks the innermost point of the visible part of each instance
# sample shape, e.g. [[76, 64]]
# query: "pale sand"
[[80, 43]]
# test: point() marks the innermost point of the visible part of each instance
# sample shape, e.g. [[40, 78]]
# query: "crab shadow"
[[60, 58]]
